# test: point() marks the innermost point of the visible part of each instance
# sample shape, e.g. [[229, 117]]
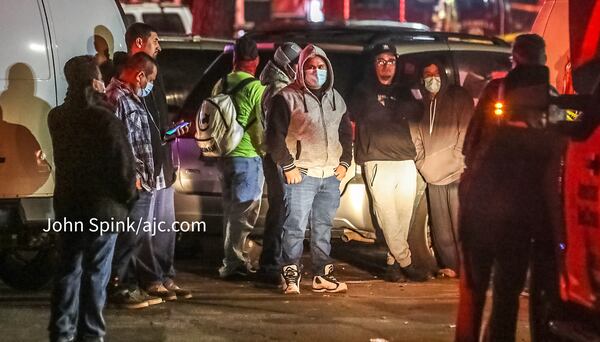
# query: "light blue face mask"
[[315, 79], [143, 92], [321, 77]]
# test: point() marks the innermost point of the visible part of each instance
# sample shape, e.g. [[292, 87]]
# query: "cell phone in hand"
[[172, 133]]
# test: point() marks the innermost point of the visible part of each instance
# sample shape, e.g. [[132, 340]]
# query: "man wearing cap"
[[277, 74], [382, 110], [242, 171]]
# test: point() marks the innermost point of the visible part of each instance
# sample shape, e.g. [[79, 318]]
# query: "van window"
[[24, 40], [477, 68], [129, 19], [165, 23], [410, 66], [182, 69]]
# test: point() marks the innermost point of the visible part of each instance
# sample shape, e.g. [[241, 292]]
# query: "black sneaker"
[[394, 274], [181, 293], [241, 273], [291, 279], [268, 279], [160, 291], [415, 274], [126, 299]]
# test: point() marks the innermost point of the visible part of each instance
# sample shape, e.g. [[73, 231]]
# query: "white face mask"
[[433, 84]]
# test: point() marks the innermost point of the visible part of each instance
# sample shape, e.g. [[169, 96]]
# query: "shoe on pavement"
[[415, 274], [126, 299], [291, 279], [160, 291], [327, 282], [181, 293], [242, 272], [394, 274], [268, 279], [152, 300]]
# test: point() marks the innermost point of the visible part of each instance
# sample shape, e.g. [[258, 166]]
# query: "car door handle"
[[2, 160]]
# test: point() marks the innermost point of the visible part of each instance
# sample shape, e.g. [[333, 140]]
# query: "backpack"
[[218, 132]]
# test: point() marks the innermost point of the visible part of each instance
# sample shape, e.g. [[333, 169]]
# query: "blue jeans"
[[79, 291], [242, 185], [163, 243], [133, 262], [270, 257], [316, 199]]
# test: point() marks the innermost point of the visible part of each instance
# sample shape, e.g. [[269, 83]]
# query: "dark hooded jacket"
[[440, 134], [382, 114], [95, 173]]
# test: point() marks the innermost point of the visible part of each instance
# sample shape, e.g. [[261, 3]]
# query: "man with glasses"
[[382, 110]]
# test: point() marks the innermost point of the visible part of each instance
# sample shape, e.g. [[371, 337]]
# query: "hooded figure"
[[382, 110], [277, 74], [95, 179], [438, 139], [309, 135]]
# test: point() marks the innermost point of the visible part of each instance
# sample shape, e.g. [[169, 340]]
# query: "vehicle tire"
[[419, 239], [28, 270]]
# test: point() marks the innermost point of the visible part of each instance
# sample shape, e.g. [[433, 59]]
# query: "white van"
[[166, 18], [38, 37]]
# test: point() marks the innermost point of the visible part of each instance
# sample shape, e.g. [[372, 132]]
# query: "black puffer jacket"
[[382, 114], [95, 175]]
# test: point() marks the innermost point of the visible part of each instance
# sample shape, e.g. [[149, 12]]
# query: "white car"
[[167, 19]]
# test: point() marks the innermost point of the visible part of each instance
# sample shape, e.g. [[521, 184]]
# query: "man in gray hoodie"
[[438, 140], [310, 136], [277, 74]]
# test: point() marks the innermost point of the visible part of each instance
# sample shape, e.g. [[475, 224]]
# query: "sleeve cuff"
[[344, 164], [288, 167]]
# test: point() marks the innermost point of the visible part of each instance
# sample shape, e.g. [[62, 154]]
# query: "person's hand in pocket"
[[293, 176], [340, 172]]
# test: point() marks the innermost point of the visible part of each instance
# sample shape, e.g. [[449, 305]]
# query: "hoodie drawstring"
[[304, 102], [432, 110], [333, 91]]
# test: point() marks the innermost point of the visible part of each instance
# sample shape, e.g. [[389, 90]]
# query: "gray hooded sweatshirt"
[[308, 132]]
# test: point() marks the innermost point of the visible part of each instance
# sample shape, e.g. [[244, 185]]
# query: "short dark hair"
[[138, 30], [245, 49], [529, 48], [141, 61], [80, 71]]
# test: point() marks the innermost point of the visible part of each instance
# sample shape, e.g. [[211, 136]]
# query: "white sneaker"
[[328, 283], [290, 277]]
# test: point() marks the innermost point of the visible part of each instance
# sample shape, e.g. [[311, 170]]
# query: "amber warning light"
[[498, 108]]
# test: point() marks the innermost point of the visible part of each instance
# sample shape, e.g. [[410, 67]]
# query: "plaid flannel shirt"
[[134, 115]]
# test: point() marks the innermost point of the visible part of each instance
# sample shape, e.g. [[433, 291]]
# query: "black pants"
[[271, 253]]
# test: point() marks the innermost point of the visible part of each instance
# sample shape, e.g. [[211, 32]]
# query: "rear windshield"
[[348, 68], [165, 23]]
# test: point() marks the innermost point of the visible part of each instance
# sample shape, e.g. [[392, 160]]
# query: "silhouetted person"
[[504, 193], [24, 138], [95, 179]]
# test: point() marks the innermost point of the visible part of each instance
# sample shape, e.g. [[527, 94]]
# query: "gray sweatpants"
[[443, 207], [393, 186]]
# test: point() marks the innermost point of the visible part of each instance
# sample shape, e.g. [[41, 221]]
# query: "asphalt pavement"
[[372, 310]]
